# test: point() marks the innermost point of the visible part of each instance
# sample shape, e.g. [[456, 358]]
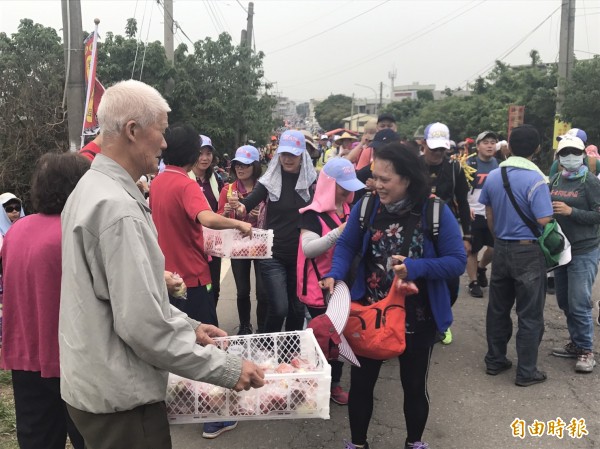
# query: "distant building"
[[357, 122], [409, 91], [285, 109]]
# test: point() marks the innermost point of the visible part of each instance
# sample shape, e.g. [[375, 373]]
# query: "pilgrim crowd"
[[107, 287]]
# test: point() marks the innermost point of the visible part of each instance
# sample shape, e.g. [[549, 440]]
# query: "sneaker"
[[446, 337], [214, 429], [416, 445], [550, 288], [481, 277], [569, 351], [495, 371], [339, 396], [475, 290], [349, 445], [245, 329], [585, 362], [537, 378]]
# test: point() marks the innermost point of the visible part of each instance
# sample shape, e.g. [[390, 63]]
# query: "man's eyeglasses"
[[14, 208], [438, 150], [570, 150]]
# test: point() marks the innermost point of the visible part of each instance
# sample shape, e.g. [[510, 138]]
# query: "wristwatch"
[[468, 238]]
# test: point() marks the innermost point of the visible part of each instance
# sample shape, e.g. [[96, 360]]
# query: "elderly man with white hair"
[[118, 335]]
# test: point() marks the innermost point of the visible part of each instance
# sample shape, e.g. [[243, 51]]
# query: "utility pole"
[[566, 57], [380, 95], [168, 30], [250, 25], [392, 77], [74, 69]]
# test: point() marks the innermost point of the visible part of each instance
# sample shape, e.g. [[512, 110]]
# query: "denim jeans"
[[279, 278], [574, 283], [241, 269], [518, 275]]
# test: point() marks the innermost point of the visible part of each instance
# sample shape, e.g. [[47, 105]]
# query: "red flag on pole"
[[95, 90]]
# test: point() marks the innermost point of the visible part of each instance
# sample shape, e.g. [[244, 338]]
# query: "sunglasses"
[[438, 150], [570, 150], [10, 209], [240, 165]]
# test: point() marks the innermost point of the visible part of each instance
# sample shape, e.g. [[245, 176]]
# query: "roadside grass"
[[8, 427]]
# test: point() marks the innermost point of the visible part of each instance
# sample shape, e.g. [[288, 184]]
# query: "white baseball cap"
[[437, 135]]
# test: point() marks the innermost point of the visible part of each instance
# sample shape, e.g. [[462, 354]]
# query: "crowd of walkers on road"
[[107, 287]]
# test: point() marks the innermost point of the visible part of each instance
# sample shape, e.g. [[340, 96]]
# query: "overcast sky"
[[314, 48]]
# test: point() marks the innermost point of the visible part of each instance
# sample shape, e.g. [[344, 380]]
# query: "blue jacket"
[[450, 262]]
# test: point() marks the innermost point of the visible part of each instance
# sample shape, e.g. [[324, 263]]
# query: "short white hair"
[[130, 100]]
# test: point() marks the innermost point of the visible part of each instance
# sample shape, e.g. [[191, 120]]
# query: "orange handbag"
[[377, 331]]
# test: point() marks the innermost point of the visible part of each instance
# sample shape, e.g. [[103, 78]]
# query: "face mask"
[[571, 162]]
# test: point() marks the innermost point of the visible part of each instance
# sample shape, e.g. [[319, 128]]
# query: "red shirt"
[[176, 200], [90, 150], [31, 260]]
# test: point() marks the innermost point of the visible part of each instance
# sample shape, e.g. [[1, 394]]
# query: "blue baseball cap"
[[246, 154], [575, 132], [292, 142], [343, 172]]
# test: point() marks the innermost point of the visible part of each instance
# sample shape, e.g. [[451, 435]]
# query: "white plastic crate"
[[231, 243], [297, 383]]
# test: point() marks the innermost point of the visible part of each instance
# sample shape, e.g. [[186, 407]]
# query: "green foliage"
[[582, 98], [425, 95], [332, 110], [31, 90], [487, 107], [8, 424], [219, 89]]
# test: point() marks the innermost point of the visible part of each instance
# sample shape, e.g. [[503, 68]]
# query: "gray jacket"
[[118, 335], [583, 195]]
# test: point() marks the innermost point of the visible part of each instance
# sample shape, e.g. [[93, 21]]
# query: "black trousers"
[[42, 418], [144, 427], [215, 275], [414, 367], [199, 305], [241, 269]]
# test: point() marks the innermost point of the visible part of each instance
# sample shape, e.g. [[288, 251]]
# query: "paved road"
[[469, 409]]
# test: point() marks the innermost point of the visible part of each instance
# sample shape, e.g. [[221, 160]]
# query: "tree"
[[425, 95], [582, 98], [31, 91], [332, 110], [131, 28]]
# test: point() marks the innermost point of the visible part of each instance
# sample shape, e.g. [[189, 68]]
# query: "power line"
[[223, 18], [210, 6], [137, 44], [175, 23], [329, 29], [512, 48], [242, 6], [146, 44], [303, 25], [211, 17], [404, 41]]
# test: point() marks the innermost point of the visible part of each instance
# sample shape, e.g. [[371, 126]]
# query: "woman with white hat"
[[12, 210], [286, 187], [245, 171]]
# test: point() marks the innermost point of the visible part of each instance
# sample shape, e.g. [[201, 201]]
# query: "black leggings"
[[414, 368]]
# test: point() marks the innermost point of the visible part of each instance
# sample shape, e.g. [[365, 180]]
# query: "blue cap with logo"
[[292, 142], [246, 154], [343, 172]]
